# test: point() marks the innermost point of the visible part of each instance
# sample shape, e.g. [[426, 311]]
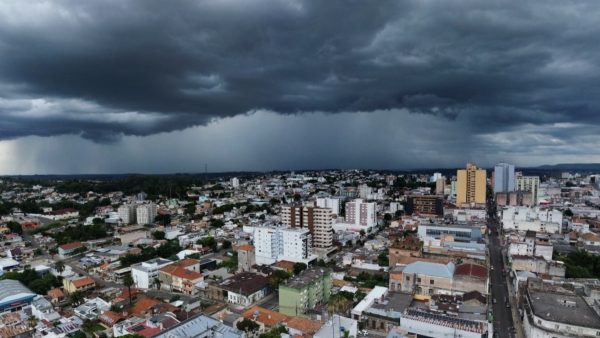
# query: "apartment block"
[[471, 186], [303, 292], [127, 213], [361, 213], [146, 213]]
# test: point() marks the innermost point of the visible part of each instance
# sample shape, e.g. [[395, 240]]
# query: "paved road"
[[503, 321]]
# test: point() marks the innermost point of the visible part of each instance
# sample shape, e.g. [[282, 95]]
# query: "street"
[[502, 315]]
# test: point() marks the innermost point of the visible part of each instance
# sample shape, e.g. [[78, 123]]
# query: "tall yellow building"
[[471, 185]]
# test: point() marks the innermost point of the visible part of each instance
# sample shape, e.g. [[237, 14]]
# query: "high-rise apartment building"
[[440, 185], [361, 213], [235, 183], [127, 213], [331, 202], [504, 177], [319, 221], [530, 184], [470, 185], [272, 244], [146, 213]]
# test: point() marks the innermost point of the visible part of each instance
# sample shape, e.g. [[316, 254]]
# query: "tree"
[[362, 233], [277, 277], [76, 298], [60, 267], [299, 267], [226, 244], [216, 223], [15, 227], [157, 282], [248, 325], [383, 259], [208, 242], [128, 282], [158, 235], [568, 213]]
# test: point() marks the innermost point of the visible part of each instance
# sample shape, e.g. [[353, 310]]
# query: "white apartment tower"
[[146, 213], [127, 213], [235, 183], [273, 244], [504, 177], [331, 203], [361, 213]]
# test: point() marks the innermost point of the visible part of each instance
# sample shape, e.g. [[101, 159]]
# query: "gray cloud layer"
[[109, 68]]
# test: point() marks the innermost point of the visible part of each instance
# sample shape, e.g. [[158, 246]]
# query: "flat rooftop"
[[563, 308], [307, 277]]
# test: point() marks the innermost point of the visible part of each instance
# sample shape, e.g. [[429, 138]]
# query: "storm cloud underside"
[[495, 75]]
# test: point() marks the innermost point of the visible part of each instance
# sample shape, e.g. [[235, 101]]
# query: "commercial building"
[[530, 184], [426, 205], [127, 213], [460, 233], [145, 274], [201, 326], [531, 219], [471, 186], [272, 244], [427, 323], [504, 177], [554, 314], [14, 295], [304, 291]]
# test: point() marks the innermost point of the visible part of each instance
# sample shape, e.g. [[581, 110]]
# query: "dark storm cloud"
[[102, 69]]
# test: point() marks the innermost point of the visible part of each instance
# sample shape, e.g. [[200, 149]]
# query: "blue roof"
[[431, 269]]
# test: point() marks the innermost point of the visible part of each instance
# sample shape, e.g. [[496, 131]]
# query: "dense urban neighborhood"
[[470, 253]]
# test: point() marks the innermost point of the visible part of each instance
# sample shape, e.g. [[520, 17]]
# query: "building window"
[[431, 282], [407, 278], [418, 280]]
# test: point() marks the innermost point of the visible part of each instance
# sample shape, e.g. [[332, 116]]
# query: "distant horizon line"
[[231, 172]]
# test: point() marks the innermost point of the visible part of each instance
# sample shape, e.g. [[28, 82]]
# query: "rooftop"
[[245, 283], [307, 277], [563, 308], [10, 288], [431, 269]]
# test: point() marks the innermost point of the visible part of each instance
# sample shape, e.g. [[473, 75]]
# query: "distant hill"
[[570, 167]]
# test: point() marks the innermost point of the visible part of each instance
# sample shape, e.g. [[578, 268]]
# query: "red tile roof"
[[81, 282], [180, 272], [71, 246], [470, 269]]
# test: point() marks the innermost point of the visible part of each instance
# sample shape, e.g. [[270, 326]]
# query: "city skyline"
[[112, 87]]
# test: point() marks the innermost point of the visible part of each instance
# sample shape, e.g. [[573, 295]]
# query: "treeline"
[[166, 250], [81, 233], [33, 281], [581, 264], [30, 206]]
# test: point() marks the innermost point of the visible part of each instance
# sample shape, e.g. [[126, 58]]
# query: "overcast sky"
[[169, 86]]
